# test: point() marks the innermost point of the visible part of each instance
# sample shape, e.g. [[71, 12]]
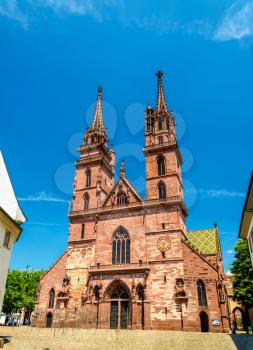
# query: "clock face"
[[163, 244]]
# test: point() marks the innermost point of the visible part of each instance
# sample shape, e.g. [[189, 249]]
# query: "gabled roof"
[[128, 185], [8, 200], [204, 241]]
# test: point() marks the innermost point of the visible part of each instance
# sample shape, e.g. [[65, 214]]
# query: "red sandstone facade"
[[129, 263]]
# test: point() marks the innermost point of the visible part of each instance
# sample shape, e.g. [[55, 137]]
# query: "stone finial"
[[122, 169]]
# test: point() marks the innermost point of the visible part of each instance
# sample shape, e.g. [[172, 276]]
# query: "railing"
[[113, 267]]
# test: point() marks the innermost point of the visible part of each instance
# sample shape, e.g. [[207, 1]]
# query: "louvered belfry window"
[[121, 247], [160, 166]]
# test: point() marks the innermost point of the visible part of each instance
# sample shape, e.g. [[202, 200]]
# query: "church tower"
[[95, 168], [163, 159]]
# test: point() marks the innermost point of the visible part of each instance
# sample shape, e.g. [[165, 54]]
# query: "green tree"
[[20, 290], [243, 280]]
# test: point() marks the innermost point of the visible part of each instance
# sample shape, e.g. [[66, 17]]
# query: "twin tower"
[[163, 159]]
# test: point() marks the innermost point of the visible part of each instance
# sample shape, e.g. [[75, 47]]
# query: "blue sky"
[[55, 53]]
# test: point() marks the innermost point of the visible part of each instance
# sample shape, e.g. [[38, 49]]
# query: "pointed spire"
[[98, 122], [122, 169], [161, 102]]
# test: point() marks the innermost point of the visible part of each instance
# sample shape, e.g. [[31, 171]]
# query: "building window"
[[161, 190], [88, 177], [86, 202], [7, 238], [160, 123], [161, 165], [51, 299], [201, 293], [121, 247], [121, 198], [160, 140], [82, 232], [251, 241]]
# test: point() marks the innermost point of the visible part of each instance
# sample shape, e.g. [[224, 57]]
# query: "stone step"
[[26, 338]]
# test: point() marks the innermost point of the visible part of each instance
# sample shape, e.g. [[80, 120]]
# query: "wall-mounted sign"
[[215, 322]]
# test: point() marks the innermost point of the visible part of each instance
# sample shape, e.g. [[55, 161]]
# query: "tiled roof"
[[203, 240]]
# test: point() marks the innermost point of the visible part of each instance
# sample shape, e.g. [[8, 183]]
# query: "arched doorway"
[[239, 318], [204, 321], [120, 308], [49, 320]]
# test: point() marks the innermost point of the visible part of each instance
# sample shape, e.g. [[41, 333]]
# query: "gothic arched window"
[[51, 299], [86, 201], [121, 198], [88, 177], [201, 293], [161, 190], [160, 123], [161, 165], [167, 123], [160, 140], [121, 247]]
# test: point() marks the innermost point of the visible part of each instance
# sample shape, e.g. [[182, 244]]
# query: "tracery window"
[[120, 293], [88, 177], [161, 190], [121, 198], [201, 293], [51, 299], [121, 247], [160, 165]]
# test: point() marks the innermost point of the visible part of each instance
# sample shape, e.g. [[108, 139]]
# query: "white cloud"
[[230, 251], [10, 9], [95, 8], [229, 273], [237, 22], [42, 197], [45, 224], [214, 193]]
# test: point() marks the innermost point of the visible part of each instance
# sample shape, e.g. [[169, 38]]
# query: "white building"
[[246, 227], [11, 217]]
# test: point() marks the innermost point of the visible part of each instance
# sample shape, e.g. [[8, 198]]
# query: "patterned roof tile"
[[203, 240]]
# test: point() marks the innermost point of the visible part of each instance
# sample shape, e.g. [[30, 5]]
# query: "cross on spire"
[[98, 122], [161, 102]]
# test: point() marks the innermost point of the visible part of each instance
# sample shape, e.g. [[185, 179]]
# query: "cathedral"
[[131, 262]]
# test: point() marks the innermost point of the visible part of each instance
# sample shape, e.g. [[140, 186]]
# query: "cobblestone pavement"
[[22, 338]]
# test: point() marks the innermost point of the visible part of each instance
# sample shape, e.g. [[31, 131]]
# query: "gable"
[[122, 186], [195, 261], [204, 241]]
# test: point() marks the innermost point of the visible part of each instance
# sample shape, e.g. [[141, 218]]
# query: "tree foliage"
[[243, 271], [20, 290]]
